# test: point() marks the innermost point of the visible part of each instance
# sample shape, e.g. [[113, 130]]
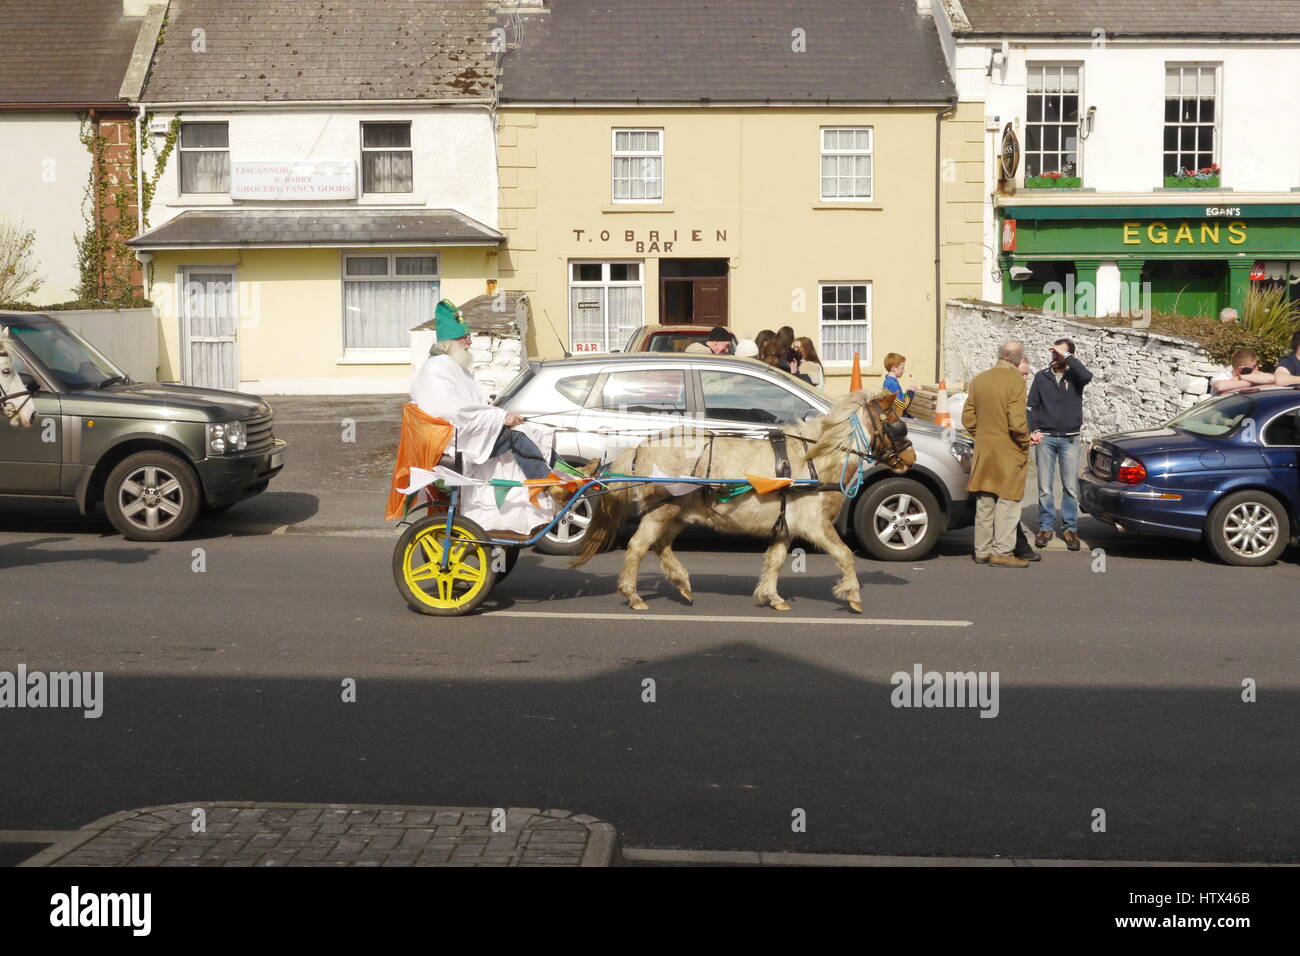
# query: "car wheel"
[[568, 534], [152, 496], [897, 519], [1248, 529]]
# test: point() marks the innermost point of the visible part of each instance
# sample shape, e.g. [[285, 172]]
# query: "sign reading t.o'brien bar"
[[310, 180]]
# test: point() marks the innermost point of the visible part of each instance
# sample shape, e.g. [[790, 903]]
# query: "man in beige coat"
[[995, 415]]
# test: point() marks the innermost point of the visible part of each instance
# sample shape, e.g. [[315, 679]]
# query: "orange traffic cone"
[[941, 416], [855, 380]]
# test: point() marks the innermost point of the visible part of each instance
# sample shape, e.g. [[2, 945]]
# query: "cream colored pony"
[[826, 444]]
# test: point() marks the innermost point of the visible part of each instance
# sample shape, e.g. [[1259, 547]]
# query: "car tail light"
[[1131, 472]]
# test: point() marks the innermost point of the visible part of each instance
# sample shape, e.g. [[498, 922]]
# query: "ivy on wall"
[[105, 263]]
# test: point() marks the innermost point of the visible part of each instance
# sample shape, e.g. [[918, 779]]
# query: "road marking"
[[755, 858], [776, 617]]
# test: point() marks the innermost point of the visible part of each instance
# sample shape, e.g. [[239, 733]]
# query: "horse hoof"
[[686, 596], [780, 606], [637, 604], [855, 607]]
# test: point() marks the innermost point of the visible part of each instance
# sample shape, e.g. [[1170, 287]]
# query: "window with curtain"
[[845, 322], [385, 296], [847, 163], [605, 304], [205, 157], [638, 165], [1191, 116], [1052, 120], [387, 160]]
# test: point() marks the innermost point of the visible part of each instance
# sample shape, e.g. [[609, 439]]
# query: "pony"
[[15, 398], [834, 449]]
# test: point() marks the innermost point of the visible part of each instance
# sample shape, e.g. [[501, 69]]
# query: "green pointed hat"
[[448, 323]]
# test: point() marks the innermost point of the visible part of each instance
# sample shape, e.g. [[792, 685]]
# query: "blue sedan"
[[1226, 470]]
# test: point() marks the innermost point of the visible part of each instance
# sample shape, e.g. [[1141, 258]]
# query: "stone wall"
[[1140, 379]]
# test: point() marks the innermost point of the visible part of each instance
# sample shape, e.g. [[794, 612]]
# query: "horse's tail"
[[610, 511]]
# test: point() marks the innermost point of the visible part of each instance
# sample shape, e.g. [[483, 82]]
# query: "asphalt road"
[[1119, 690]]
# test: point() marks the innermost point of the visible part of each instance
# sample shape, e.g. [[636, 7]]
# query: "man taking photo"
[[1056, 418]]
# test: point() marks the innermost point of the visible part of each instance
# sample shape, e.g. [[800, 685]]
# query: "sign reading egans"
[[1184, 233], [313, 180]]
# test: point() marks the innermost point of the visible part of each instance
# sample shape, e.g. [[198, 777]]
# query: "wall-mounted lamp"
[[1086, 124], [144, 258], [1019, 273], [999, 56]]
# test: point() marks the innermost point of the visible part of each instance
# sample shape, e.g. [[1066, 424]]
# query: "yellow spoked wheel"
[[418, 571]]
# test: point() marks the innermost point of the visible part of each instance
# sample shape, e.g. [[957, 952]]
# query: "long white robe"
[[444, 389]]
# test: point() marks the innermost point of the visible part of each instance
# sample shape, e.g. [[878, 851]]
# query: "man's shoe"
[[978, 560], [1042, 539], [1007, 561], [1071, 540], [1031, 556]]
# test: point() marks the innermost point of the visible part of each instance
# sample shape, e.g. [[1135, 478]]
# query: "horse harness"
[[11, 410]]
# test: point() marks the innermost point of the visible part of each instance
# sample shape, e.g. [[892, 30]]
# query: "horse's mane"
[[836, 426]]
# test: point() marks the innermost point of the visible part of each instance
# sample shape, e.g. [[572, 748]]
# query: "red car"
[[666, 338]]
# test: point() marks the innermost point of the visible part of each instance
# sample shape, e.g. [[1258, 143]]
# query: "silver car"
[[602, 404]]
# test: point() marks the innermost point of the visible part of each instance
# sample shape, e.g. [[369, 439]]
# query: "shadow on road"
[[739, 738], [26, 554]]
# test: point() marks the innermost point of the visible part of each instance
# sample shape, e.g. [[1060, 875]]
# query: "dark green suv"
[[153, 455]]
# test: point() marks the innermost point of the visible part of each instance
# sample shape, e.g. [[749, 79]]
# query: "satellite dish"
[[1009, 154]]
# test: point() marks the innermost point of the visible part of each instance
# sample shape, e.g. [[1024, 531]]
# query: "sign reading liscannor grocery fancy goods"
[[305, 180]]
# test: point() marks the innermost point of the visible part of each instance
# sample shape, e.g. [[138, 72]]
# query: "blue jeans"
[[1051, 450], [530, 458]]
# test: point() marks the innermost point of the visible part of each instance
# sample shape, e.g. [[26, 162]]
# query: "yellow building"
[[703, 169]]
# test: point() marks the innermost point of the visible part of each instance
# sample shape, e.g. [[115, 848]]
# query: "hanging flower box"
[[1053, 181], [1207, 178]]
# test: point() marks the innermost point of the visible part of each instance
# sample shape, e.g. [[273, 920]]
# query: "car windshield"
[[1216, 418], [70, 360]]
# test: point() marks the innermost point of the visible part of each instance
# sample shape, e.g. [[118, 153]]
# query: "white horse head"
[[15, 401]]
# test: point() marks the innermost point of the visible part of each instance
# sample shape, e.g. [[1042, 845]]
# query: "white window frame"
[[361, 172], [1216, 126], [1060, 124], [869, 152], [183, 149], [616, 154], [394, 355], [605, 283], [868, 322]]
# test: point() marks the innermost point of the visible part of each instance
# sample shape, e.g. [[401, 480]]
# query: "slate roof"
[[233, 228], [269, 50], [725, 50], [1135, 17], [64, 52]]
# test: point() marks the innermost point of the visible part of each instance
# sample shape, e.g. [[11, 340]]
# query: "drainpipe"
[[139, 194], [938, 236]]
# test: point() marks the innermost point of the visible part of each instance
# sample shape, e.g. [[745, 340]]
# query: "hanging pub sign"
[[305, 180], [1009, 154], [1008, 235]]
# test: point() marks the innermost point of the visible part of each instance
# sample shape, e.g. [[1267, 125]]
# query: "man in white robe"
[[493, 443]]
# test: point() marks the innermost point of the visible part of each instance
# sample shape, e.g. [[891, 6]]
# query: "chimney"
[[138, 8]]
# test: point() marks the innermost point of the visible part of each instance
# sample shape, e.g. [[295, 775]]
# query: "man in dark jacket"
[[1056, 418]]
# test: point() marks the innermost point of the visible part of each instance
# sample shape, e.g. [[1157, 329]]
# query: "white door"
[[209, 323]]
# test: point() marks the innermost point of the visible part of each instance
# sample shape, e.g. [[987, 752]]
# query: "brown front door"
[[693, 291]]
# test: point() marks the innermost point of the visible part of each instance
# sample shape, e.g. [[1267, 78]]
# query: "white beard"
[[461, 356]]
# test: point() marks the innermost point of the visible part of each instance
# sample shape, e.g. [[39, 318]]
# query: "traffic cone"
[[941, 416], [855, 380]]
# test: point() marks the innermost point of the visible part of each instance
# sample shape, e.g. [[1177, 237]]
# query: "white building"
[[315, 202], [1107, 106]]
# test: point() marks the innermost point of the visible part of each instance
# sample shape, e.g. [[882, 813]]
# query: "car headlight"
[[963, 452], [226, 437]]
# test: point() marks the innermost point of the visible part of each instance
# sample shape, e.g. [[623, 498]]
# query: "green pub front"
[[1195, 260]]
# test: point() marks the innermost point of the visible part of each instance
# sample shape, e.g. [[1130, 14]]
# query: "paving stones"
[[277, 834]]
